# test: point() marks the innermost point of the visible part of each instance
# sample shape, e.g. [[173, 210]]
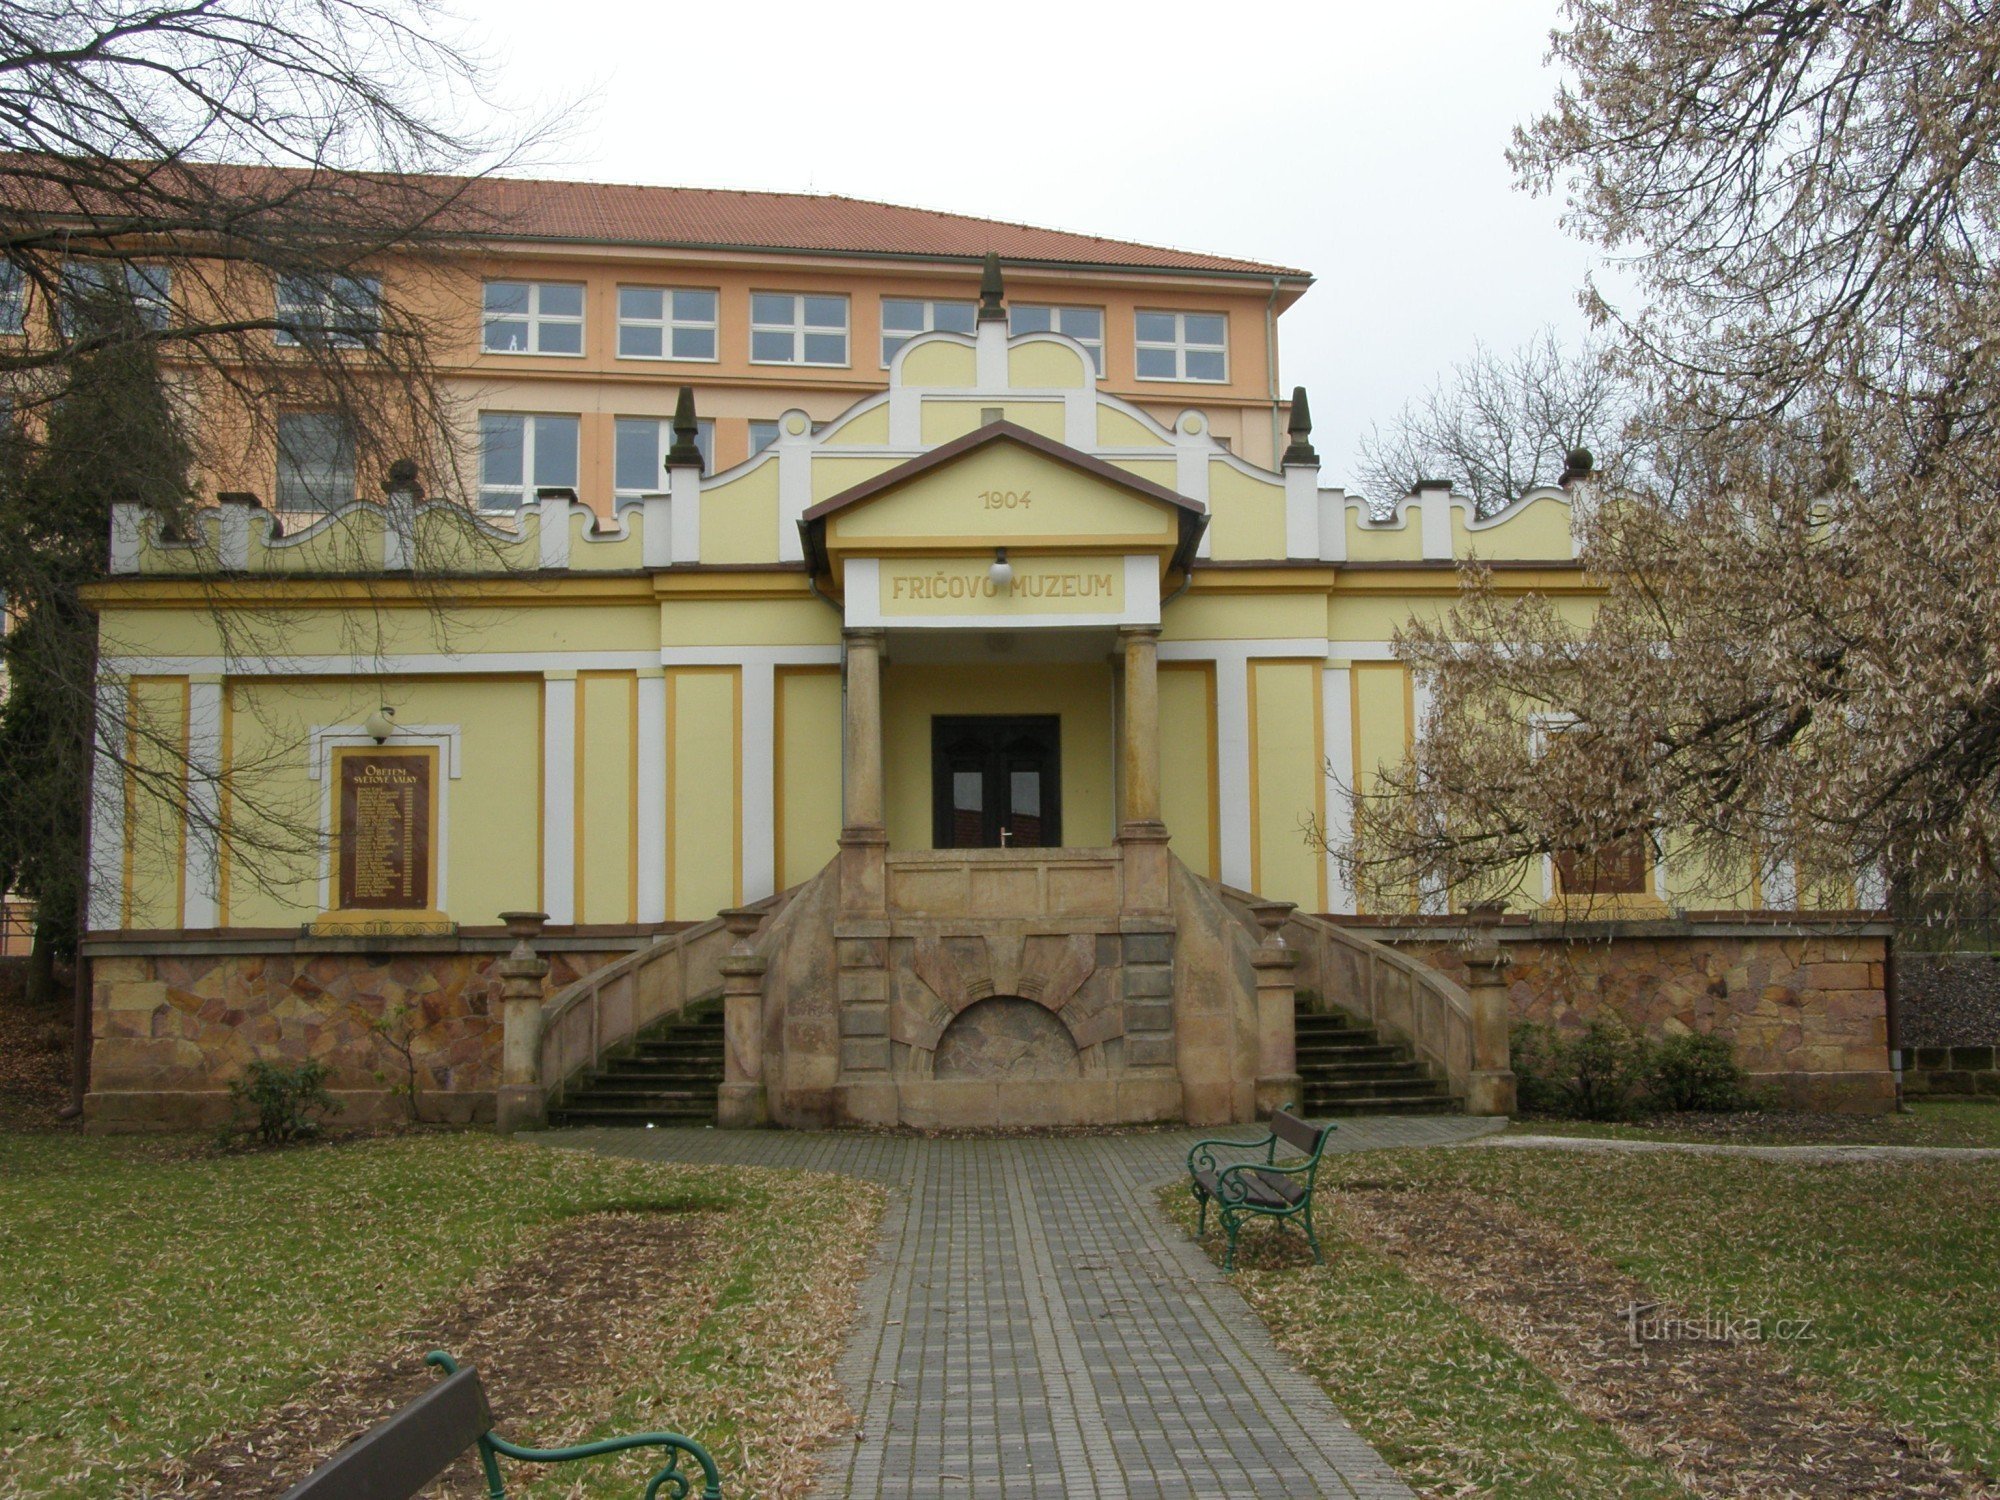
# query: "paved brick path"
[[1033, 1326]]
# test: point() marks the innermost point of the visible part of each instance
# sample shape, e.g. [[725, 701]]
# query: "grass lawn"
[[154, 1294], [1898, 1266], [1925, 1123]]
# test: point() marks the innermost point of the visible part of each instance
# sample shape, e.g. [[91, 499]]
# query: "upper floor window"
[[13, 298], [315, 460], [659, 322], [533, 317], [903, 319], [794, 329], [762, 435], [1084, 324], [342, 311], [1183, 346], [639, 454], [521, 452], [86, 284]]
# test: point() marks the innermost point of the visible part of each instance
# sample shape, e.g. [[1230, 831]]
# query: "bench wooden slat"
[[1295, 1132], [408, 1450]]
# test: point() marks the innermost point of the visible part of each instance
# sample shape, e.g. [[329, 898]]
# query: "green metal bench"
[[397, 1458], [1265, 1188]]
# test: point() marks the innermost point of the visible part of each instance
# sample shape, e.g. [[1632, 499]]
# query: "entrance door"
[[994, 782]]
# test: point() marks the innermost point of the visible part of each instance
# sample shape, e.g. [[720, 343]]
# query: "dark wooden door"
[[995, 781]]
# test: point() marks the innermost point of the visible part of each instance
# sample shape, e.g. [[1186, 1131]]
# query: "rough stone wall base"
[[128, 1111]]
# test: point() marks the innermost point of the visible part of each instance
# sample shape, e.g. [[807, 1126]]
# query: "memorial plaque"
[[385, 830], [1618, 869]]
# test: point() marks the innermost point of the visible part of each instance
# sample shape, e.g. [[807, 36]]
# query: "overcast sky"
[[1364, 143]]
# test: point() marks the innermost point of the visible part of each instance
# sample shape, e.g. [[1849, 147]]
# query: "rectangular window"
[[533, 317], [315, 461], [1183, 346], [13, 299], [762, 435], [340, 311], [660, 322], [788, 329], [148, 288], [903, 319], [520, 453], [639, 454], [1084, 324]]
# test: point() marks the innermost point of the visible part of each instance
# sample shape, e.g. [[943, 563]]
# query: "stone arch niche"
[[1006, 1039]]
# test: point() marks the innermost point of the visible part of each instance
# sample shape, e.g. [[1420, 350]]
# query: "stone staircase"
[[1345, 1068], [667, 1075]]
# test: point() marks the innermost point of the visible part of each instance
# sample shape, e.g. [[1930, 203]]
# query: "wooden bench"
[[397, 1458], [1267, 1188]]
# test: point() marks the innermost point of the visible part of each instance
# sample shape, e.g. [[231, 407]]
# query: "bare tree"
[[1794, 657], [1499, 424]]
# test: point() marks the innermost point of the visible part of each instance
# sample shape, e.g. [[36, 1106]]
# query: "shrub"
[[284, 1104], [1694, 1072], [1591, 1075]]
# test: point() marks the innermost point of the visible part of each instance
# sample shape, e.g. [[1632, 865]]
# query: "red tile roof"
[[714, 218]]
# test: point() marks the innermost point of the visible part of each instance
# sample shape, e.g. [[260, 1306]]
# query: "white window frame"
[[337, 499], [1055, 312], [325, 306], [704, 440], [1180, 347], [525, 494], [798, 328], [668, 324], [535, 318], [930, 306], [149, 285]]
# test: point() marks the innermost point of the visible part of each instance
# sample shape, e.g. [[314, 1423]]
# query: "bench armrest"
[[1201, 1156], [669, 1480]]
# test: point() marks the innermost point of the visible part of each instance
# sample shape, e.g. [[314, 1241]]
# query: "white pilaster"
[[649, 818], [1080, 419], [202, 884], [685, 482], [232, 550], [795, 490], [906, 417], [1433, 900], [1434, 508], [1337, 732], [990, 356], [760, 771], [399, 531], [128, 530], [107, 808], [1302, 538], [559, 797], [1333, 526], [656, 543], [553, 531]]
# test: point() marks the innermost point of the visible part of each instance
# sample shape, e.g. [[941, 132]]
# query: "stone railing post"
[[520, 1103], [743, 1099], [1490, 1089], [1277, 1005]]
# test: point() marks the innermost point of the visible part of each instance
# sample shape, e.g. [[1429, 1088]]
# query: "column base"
[[1147, 867], [519, 1106], [742, 1106], [1275, 1092], [864, 874], [1490, 1091]]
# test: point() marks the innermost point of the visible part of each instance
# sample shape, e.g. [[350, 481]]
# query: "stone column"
[[743, 1099], [520, 1103], [1141, 833], [1277, 1007], [1490, 1090], [864, 841]]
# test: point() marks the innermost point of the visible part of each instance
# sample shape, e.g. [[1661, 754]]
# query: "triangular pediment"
[[1004, 486]]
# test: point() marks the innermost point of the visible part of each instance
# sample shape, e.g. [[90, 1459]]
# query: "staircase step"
[[1368, 1088], [1364, 1072], [1387, 1104], [1311, 1054], [594, 1116]]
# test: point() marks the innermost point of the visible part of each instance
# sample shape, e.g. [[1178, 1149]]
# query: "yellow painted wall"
[[1189, 800], [1287, 785], [1079, 692], [607, 774], [704, 789], [1381, 705], [492, 830], [867, 427], [807, 802], [739, 520], [155, 846], [1247, 514], [1064, 505], [945, 420], [1048, 364]]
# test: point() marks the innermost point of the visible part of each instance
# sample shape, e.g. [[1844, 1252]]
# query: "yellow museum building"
[[940, 755]]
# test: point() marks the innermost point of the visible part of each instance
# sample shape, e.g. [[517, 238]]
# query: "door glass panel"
[[1024, 813], [968, 809]]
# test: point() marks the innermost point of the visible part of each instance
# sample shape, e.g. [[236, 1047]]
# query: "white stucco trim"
[[559, 798], [517, 663], [1337, 732], [733, 656], [326, 738], [107, 807], [201, 889], [649, 818]]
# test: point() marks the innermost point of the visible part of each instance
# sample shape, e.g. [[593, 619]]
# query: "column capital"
[[1138, 632], [864, 635]]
